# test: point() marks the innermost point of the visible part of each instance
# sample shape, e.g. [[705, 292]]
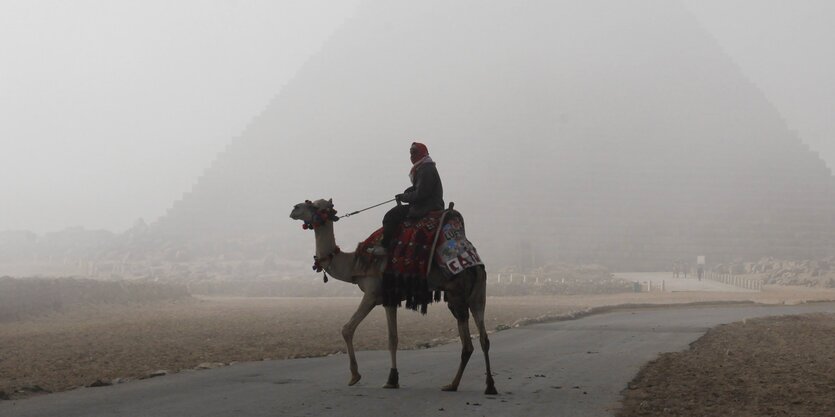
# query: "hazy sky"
[[784, 47], [110, 110]]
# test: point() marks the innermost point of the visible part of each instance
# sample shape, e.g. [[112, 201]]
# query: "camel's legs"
[[466, 352], [478, 317], [391, 319], [365, 307], [477, 301]]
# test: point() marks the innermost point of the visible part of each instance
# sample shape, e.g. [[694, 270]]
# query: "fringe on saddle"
[[414, 291], [405, 270]]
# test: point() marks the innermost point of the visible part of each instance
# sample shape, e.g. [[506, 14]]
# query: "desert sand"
[[102, 344], [774, 366]]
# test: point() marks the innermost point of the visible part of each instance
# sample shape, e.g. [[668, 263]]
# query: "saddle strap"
[[437, 235]]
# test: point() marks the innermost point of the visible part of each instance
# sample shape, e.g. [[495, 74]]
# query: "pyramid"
[[599, 131]]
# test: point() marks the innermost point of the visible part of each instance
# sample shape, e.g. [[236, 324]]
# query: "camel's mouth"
[[295, 213], [300, 212]]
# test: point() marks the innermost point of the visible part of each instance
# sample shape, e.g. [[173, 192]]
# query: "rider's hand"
[[398, 198]]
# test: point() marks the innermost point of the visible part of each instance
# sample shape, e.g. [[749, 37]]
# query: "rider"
[[426, 194]]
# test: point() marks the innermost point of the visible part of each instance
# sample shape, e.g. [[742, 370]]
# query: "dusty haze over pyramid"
[[595, 131]]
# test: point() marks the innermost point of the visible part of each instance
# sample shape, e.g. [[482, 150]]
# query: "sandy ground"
[[104, 343], [778, 366]]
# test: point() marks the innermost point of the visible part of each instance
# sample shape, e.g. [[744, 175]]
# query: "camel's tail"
[[476, 285], [469, 289]]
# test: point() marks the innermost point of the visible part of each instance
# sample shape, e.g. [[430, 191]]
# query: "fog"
[[224, 114], [601, 153], [109, 111]]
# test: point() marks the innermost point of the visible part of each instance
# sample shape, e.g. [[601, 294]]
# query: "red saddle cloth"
[[404, 277]]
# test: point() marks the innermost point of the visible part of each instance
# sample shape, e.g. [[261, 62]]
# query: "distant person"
[[675, 269], [700, 271], [426, 194]]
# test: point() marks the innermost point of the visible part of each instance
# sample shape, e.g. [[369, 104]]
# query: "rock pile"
[[808, 273]]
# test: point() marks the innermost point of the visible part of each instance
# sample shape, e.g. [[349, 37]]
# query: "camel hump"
[[452, 251]]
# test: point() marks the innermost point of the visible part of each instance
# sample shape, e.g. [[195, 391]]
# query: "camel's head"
[[314, 213]]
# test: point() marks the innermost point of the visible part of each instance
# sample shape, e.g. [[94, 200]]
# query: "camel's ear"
[[330, 202]]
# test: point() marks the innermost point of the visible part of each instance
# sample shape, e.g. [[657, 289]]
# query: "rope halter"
[[326, 260], [319, 216]]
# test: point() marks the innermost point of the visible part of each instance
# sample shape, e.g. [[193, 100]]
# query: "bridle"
[[318, 216]]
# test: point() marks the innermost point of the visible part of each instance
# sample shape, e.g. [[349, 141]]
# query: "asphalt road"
[[571, 368]]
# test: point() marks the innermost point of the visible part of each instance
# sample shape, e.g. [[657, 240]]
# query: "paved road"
[[571, 368]]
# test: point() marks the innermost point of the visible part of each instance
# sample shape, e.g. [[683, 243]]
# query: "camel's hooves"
[[394, 379], [354, 379], [491, 390], [449, 388]]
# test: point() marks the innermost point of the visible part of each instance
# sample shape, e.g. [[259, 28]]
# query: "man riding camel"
[[426, 194]]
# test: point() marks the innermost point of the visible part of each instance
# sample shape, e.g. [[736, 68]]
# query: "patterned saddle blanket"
[[412, 256]]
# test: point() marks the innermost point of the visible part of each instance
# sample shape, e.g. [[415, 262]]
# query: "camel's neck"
[[325, 240], [341, 265]]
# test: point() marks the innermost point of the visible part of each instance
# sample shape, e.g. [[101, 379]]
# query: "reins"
[[367, 208]]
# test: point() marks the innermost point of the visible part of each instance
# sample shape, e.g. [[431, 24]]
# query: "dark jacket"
[[426, 193]]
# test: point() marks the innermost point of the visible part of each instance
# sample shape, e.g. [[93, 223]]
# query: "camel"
[[466, 293]]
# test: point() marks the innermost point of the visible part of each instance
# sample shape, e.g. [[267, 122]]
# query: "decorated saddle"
[[436, 241]]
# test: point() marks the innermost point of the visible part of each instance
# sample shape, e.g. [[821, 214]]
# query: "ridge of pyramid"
[[606, 131]]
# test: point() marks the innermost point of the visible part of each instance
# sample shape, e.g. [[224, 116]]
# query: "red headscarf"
[[420, 152]]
